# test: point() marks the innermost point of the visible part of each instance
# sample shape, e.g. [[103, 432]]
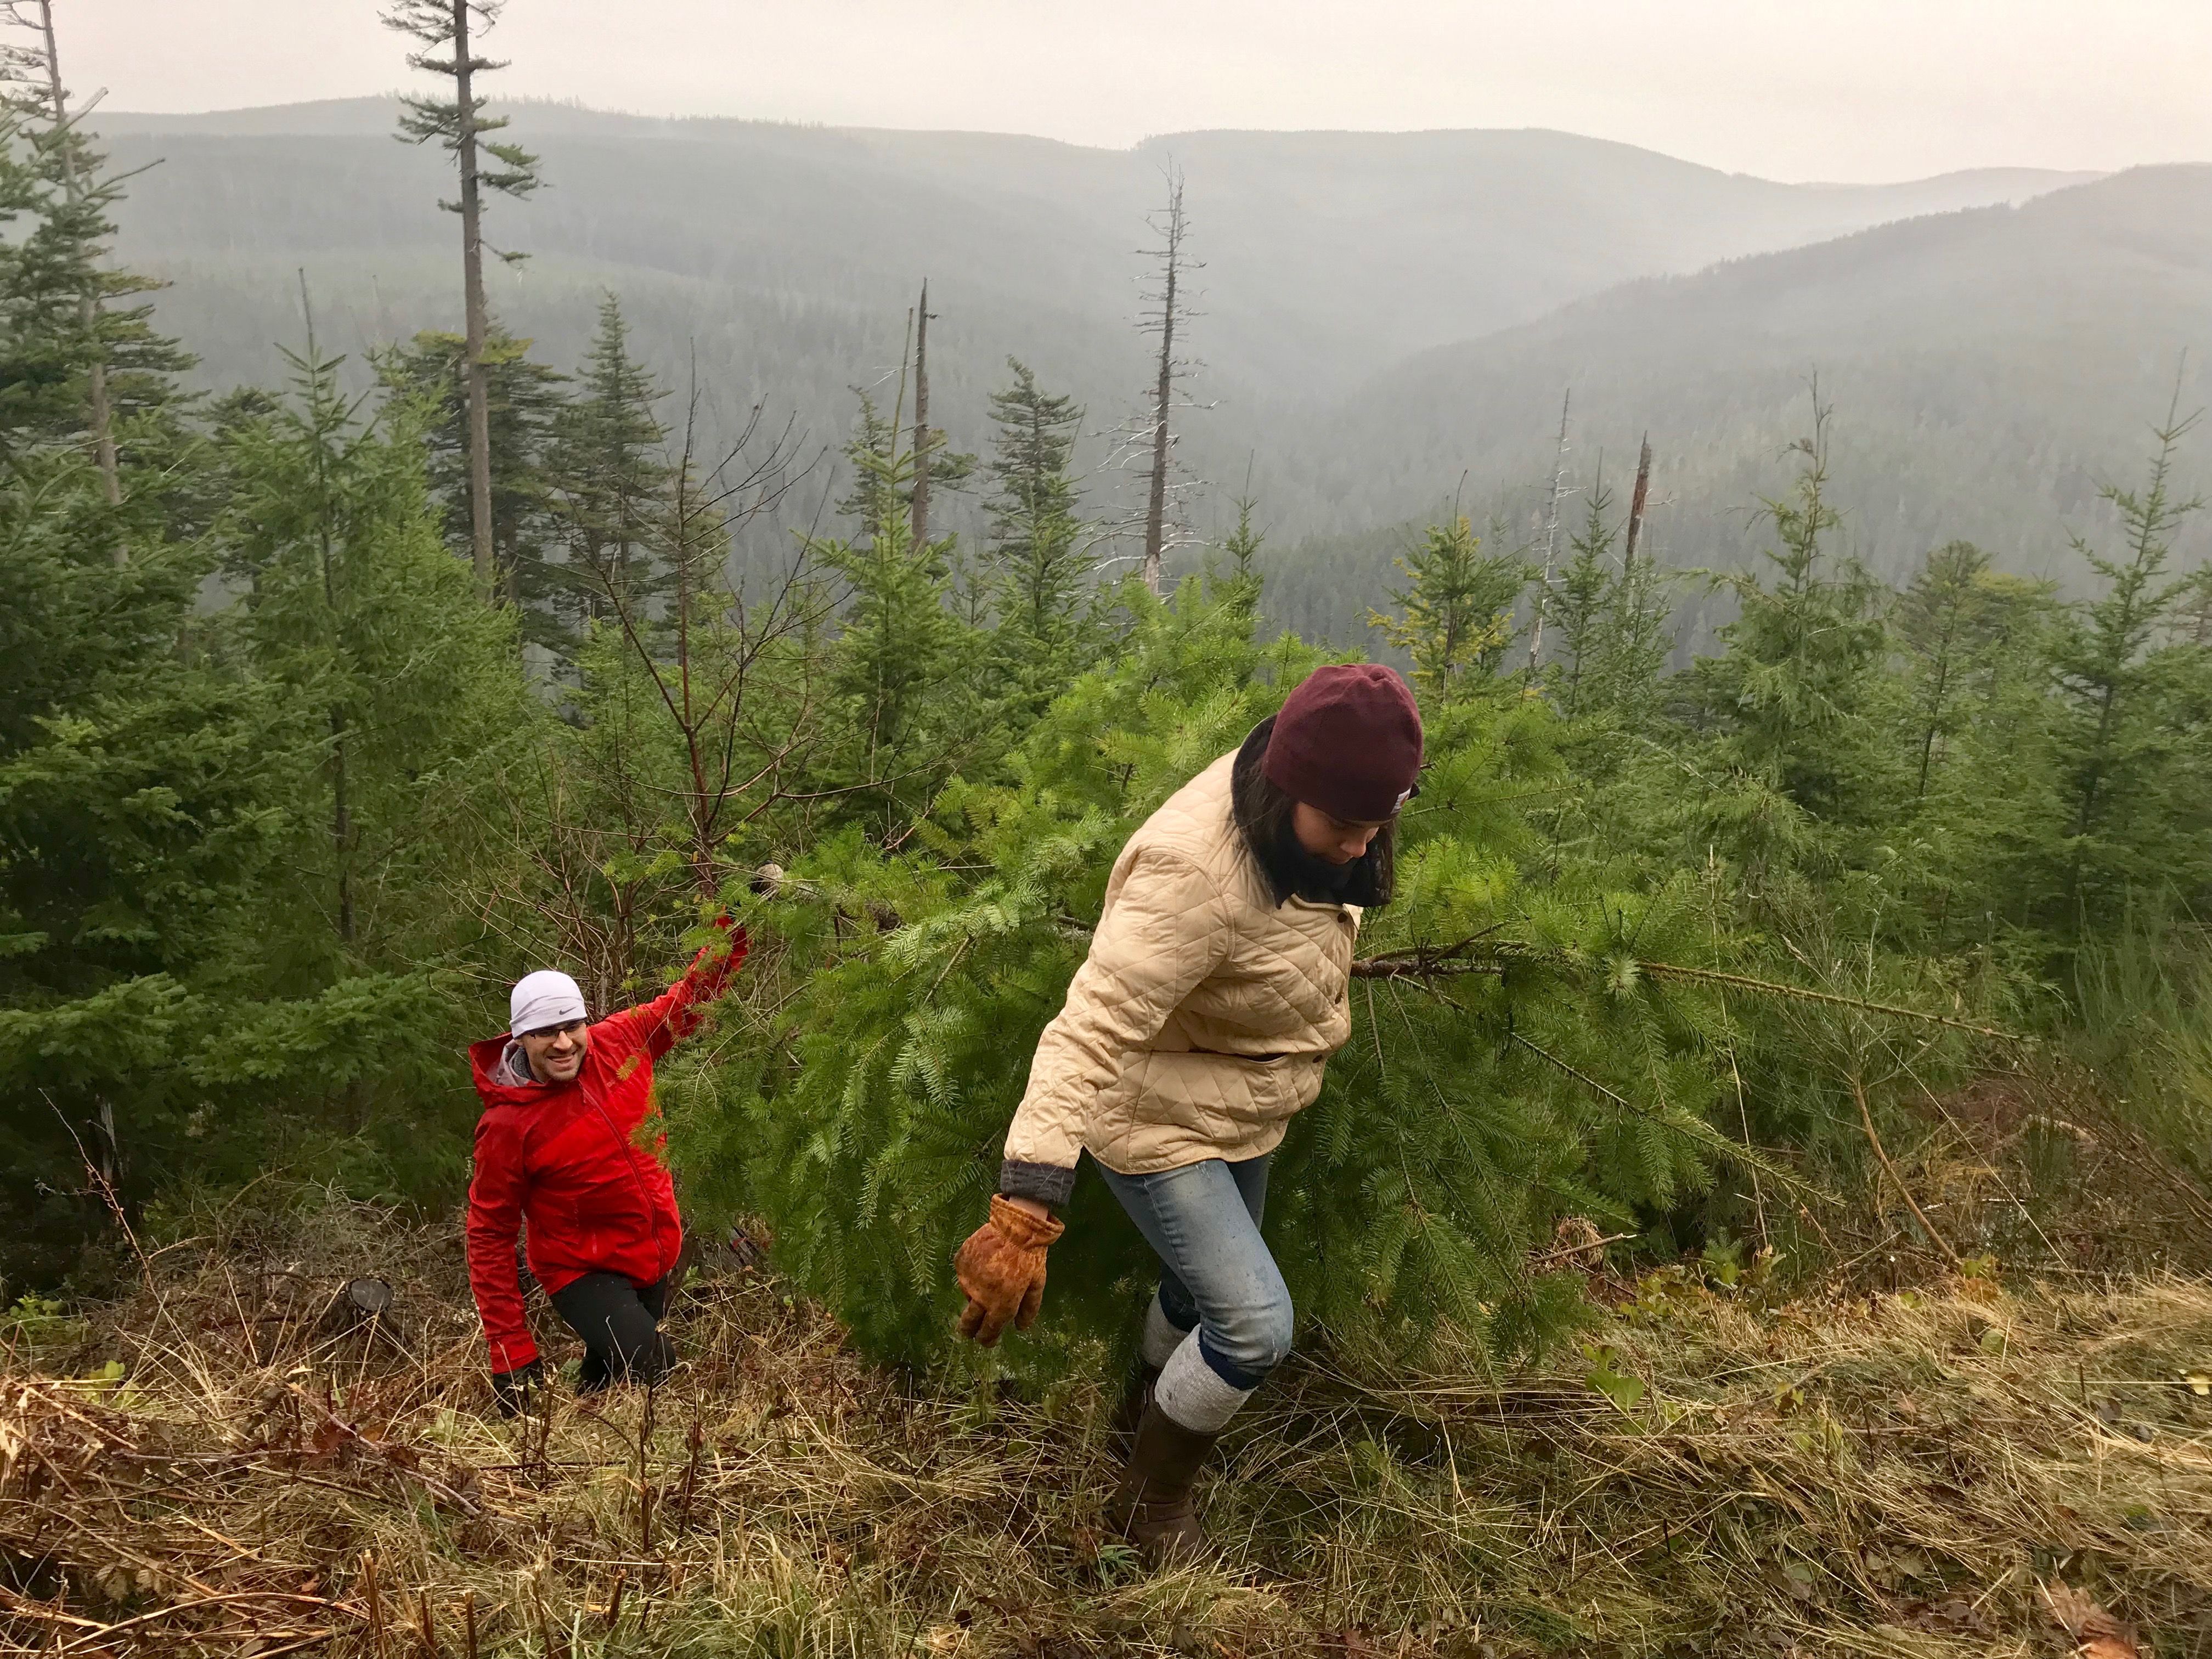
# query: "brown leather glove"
[[1001, 1267]]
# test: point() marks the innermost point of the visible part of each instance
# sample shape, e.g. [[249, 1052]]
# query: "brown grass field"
[[1990, 1463]]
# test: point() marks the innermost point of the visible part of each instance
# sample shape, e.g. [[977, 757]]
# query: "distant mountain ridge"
[[1988, 370], [1326, 254], [1387, 319]]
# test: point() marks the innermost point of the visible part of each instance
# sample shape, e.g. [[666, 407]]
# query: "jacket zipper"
[[644, 1192]]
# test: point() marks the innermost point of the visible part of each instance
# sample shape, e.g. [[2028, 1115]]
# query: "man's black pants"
[[619, 1320]]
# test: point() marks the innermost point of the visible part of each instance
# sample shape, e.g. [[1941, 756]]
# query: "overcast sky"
[[1847, 89]]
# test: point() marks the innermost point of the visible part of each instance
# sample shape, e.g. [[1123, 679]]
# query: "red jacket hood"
[[483, 1066]]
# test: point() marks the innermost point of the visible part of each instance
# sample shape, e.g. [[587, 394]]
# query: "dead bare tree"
[[1559, 493], [1636, 503], [705, 647], [460, 126], [922, 444], [1169, 308]]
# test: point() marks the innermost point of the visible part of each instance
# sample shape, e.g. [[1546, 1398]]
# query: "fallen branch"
[[1799, 993], [1693, 1129], [1866, 1121], [1418, 963]]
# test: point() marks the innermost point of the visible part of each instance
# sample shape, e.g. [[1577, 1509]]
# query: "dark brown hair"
[[1263, 813]]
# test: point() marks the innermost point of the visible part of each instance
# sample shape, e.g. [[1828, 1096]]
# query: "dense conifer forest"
[[1723, 889]]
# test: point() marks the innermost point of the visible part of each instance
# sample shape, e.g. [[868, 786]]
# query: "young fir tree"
[[1578, 602], [1958, 621], [1456, 613], [1037, 541], [900, 664], [1969, 715], [1037, 550], [2131, 741], [144, 791], [1611, 619], [1453, 1132], [612, 480], [524, 402], [1793, 701], [408, 695], [140, 783], [1240, 586]]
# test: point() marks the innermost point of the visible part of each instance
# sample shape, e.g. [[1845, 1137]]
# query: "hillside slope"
[[1988, 369], [1859, 1474]]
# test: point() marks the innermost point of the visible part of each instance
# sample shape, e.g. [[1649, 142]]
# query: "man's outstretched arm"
[[673, 1015]]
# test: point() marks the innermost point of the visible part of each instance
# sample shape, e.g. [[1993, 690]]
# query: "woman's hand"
[[1001, 1267]]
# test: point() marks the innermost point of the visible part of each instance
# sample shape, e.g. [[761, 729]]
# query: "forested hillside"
[[1328, 255], [780, 263], [1990, 370]]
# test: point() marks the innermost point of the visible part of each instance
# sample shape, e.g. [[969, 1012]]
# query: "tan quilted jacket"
[[1202, 1019]]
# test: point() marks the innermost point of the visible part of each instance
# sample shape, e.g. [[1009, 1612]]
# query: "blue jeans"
[[1203, 1223]]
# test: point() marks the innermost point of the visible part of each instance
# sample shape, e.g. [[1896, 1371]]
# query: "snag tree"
[[446, 30]]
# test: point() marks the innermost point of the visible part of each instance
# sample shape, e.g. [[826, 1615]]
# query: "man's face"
[[1338, 840], [555, 1052]]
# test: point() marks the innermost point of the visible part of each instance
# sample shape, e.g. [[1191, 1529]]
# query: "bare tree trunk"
[[1156, 506], [473, 303], [341, 825], [1551, 534], [921, 421], [103, 435], [1635, 507]]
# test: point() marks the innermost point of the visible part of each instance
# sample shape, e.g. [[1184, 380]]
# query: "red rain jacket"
[[563, 1157]]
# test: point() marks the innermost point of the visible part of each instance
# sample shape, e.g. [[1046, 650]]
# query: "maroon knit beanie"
[[1348, 741]]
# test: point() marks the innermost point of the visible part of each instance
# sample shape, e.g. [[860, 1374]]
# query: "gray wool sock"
[[1162, 1338], [1192, 1393]]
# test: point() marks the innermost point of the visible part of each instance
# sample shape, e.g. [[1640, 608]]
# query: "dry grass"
[[1897, 1475]]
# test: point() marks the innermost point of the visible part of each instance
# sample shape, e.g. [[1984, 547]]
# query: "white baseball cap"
[[544, 999]]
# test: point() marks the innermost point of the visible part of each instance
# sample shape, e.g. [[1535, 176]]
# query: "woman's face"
[[556, 1052], [1335, 840]]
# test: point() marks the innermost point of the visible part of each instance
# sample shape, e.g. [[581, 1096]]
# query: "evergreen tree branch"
[[1693, 1129]]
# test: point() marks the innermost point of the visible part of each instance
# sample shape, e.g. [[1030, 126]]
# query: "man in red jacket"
[[557, 1148]]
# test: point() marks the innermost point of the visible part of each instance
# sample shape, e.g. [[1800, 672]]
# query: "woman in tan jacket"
[[1215, 990]]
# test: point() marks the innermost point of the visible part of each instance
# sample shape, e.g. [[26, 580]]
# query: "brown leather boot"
[[1152, 1506], [1144, 1377]]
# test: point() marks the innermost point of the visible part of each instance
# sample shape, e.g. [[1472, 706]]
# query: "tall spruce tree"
[[79, 360], [447, 31], [142, 785], [523, 400], [612, 477], [143, 791]]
